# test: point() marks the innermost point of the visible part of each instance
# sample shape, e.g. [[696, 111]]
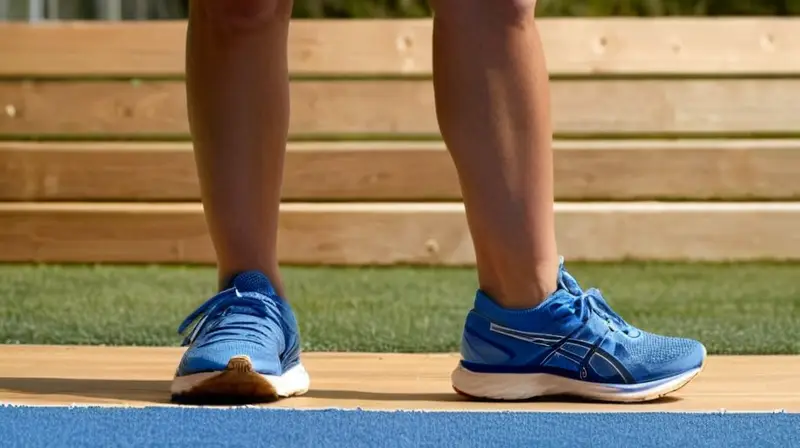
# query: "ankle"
[[521, 288], [225, 276]]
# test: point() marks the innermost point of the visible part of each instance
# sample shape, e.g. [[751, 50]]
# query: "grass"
[[734, 309]]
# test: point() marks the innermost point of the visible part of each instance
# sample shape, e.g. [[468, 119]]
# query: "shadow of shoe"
[[325, 394], [89, 390]]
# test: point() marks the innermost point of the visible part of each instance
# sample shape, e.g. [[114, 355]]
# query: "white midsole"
[[517, 386], [294, 381]]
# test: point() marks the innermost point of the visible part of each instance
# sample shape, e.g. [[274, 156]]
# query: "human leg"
[[533, 331], [244, 344]]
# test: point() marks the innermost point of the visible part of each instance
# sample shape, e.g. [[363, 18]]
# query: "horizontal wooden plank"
[[166, 171], [619, 107], [409, 233], [574, 46], [408, 171]]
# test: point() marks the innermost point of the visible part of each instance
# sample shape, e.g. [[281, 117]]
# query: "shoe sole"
[[239, 383], [516, 387]]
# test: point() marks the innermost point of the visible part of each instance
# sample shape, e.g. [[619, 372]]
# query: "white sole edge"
[[511, 387], [294, 381]]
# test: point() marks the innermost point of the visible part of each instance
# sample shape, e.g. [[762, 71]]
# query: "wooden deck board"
[[398, 233], [573, 46], [61, 375], [407, 171], [585, 108]]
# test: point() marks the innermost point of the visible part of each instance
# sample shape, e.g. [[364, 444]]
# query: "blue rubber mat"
[[258, 427]]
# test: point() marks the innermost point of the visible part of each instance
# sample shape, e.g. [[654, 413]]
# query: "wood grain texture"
[[406, 233], [408, 171], [575, 46], [140, 376], [396, 107]]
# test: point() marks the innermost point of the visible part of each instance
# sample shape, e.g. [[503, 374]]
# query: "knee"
[[499, 9], [242, 14]]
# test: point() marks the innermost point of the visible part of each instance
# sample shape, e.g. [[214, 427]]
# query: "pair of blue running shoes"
[[244, 347]]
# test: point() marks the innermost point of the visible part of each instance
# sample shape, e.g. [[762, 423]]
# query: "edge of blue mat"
[[386, 411]]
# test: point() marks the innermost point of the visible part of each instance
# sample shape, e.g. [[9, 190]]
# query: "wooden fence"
[[676, 139]]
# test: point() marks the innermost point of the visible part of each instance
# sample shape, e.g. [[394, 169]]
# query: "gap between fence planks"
[[408, 171], [574, 46], [153, 109], [407, 233]]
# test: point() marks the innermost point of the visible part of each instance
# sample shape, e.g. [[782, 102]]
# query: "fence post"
[[113, 9], [52, 9], [109, 9], [35, 10], [142, 9]]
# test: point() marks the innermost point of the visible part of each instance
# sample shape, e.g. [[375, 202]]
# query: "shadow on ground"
[[450, 397], [154, 391]]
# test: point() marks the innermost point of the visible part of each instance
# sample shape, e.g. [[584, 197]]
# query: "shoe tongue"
[[566, 281], [253, 281]]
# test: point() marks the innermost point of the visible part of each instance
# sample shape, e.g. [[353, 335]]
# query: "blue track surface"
[[252, 427]]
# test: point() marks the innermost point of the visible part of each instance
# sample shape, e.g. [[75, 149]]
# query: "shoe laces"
[[592, 301], [222, 303]]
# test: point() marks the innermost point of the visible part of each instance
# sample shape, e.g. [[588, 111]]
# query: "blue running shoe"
[[572, 344], [244, 347]]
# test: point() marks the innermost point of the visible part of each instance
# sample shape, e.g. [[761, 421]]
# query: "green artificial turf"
[[733, 309]]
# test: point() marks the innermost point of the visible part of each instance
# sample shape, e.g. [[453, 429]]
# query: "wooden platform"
[[45, 375]]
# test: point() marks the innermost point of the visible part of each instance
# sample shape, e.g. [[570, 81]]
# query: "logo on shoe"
[[577, 351]]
